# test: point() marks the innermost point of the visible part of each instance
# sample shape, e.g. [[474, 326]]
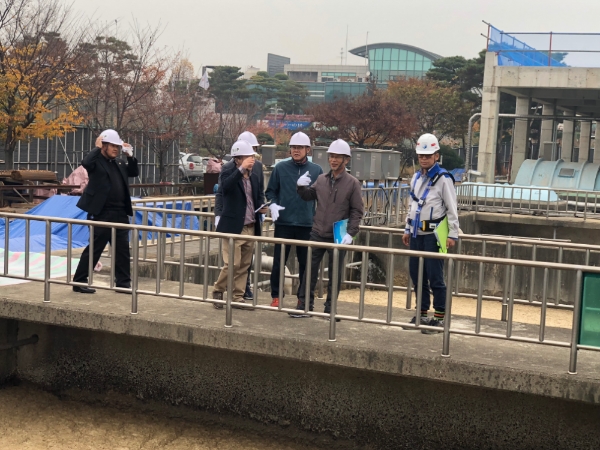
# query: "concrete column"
[[597, 145], [546, 133], [521, 137], [488, 137], [568, 134], [584, 141]]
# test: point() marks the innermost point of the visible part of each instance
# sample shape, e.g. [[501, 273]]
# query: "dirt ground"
[[462, 306], [31, 419]]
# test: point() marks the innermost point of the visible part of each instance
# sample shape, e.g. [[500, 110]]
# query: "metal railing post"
[[390, 283], [419, 291], [230, 283], [506, 283], [558, 277], [307, 280], [47, 261], [334, 294], [480, 292], [113, 256], [448, 313], [134, 276], [576, 323]]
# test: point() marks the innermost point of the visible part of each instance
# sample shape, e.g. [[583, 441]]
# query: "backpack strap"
[[442, 173]]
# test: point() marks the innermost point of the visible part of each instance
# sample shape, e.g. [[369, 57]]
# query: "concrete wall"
[[377, 410], [8, 358]]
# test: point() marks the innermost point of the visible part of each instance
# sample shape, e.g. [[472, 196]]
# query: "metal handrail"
[[392, 253]]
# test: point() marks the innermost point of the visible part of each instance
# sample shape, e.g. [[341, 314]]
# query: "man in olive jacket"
[[338, 196]]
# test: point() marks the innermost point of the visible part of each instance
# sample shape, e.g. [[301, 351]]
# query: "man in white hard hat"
[[242, 197], [433, 204], [292, 216], [257, 168], [107, 199], [338, 196]]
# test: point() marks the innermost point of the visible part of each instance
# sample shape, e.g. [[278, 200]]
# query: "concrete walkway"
[[476, 361]]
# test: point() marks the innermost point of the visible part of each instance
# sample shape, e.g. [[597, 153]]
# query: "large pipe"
[[267, 265], [31, 340], [515, 116]]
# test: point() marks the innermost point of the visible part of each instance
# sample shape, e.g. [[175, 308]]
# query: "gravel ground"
[[462, 306]]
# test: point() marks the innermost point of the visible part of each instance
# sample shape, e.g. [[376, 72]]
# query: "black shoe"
[[248, 295], [439, 324], [218, 296], [84, 290], [123, 287], [328, 311], [300, 314], [424, 321], [248, 307]]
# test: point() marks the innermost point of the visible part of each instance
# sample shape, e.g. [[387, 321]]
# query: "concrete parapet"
[[377, 385]]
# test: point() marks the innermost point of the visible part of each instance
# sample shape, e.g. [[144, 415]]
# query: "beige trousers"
[[242, 257]]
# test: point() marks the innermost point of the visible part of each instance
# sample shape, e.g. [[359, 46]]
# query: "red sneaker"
[[275, 303]]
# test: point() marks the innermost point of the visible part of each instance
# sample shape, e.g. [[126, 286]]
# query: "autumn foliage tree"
[[435, 108], [371, 121], [39, 77]]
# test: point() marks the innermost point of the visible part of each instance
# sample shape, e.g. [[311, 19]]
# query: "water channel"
[[32, 419]]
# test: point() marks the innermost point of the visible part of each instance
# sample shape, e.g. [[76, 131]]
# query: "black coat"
[[94, 196], [234, 200], [257, 168]]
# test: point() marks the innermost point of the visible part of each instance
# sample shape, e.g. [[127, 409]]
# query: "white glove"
[[128, 150], [217, 218], [275, 208], [262, 218], [304, 180], [347, 239]]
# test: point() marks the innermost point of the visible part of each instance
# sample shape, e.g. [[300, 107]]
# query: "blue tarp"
[[65, 206]]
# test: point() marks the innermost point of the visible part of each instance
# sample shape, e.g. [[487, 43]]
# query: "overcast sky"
[[242, 32]]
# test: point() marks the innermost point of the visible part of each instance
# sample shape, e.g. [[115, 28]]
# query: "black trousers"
[[288, 232], [317, 257], [102, 236]]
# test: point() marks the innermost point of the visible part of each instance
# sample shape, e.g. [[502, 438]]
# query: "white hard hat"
[[249, 137], [427, 144], [300, 139], [242, 148], [339, 147], [111, 137]]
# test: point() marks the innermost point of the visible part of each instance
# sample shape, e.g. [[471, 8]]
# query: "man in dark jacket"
[[257, 168], [242, 199], [107, 199], [293, 217], [338, 196]]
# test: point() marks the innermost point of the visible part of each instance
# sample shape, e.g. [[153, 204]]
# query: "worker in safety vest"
[[433, 204]]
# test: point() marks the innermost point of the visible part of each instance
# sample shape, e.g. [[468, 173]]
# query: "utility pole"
[[342, 56], [367, 50], [346, 44]]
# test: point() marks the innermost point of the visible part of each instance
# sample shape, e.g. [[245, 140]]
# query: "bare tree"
[[218, 131], [120, 73], [166, 115]]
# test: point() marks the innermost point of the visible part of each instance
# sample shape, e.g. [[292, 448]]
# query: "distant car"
[[191, 166]]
